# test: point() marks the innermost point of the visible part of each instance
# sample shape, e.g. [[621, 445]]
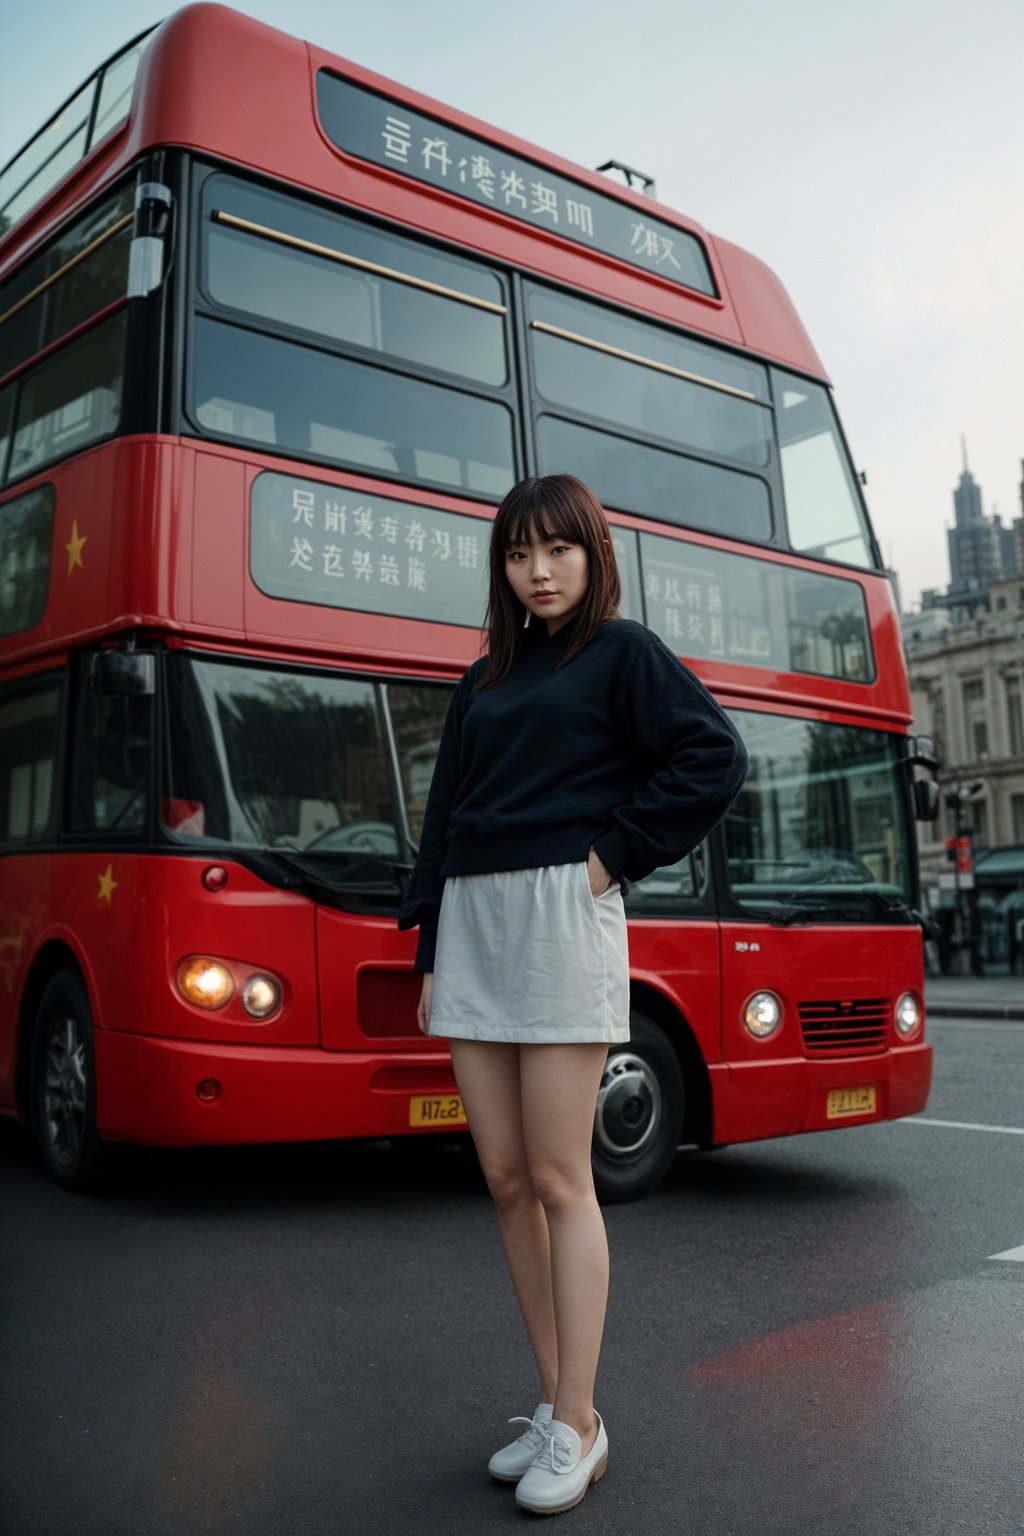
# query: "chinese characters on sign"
[[323, 544], [713, 605], [362, 123], [326, 545]]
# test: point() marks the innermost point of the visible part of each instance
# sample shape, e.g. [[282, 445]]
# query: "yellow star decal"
[[108, 885], [75, 547]]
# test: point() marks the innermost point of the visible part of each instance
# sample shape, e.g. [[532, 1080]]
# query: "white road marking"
[[1011, 1253], [946, 1023], [963, 1125]]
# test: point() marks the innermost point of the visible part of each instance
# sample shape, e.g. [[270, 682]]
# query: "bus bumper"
[[146, 1091], [754, 1100]]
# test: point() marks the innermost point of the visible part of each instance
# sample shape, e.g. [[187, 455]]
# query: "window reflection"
[[631, 476], [820, 816], [822, 506], [271, 391], [28, 752], [70, 400], [254, 273], [26, 536], [112, 750], [649, 398], [276, 759], [417, 717]]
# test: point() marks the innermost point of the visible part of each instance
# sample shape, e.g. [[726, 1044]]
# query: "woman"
[[577, 754]]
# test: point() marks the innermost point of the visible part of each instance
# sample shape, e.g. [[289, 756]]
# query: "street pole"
[[956, 798], [961, 935]]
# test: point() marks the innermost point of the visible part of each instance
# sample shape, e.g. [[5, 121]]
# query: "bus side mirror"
[[922, 752], [124, 674], [926, 799]]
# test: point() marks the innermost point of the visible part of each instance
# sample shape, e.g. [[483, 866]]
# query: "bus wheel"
[[64, 1087], [639, 1114]]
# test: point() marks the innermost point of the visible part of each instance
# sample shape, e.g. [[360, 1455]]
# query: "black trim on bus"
[[146, 384], [519, 342]]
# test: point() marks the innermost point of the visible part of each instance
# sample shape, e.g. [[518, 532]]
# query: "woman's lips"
[[542, 597]]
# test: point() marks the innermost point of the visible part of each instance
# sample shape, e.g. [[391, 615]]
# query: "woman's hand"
[[426, 997], [597, 874]]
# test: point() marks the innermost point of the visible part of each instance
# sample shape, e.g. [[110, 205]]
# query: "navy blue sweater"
[[622, 750]]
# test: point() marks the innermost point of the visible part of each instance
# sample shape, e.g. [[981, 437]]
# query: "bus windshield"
[[276, 758], [820, 828]]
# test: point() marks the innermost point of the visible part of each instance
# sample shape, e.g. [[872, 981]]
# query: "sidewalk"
[[975, 997]]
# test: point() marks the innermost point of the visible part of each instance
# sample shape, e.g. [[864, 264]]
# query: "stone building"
[[967, 691]]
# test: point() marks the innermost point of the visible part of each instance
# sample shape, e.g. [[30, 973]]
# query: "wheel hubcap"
[[64, 1089], [628, 1106]]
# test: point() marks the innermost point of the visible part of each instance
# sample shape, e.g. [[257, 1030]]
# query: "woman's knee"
[[557, 1186], [508, 1181]]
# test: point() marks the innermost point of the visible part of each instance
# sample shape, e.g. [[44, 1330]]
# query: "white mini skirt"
[[530, 955]]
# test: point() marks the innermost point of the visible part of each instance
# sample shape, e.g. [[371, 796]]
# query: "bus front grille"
[[388, 1000], [845, 1025]]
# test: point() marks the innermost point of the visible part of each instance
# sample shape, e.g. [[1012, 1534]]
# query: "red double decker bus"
[[274, 341]]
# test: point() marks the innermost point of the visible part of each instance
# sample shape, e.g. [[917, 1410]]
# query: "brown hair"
[[549, 506]]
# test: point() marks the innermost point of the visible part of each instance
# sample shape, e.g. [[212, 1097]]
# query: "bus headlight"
[[206, 983], [261, 996], [907, 1014], [762, 1015]]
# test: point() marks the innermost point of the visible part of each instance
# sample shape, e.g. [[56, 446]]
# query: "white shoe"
[[509, 1464], [559, 1476]]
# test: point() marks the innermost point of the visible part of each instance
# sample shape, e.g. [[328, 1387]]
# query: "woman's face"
[[549, 577]]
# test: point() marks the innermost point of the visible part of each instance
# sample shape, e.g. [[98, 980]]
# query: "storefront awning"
[[1000, 866]]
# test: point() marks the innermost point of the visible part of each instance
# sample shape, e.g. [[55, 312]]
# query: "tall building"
[[981, 550], [1017, 528]]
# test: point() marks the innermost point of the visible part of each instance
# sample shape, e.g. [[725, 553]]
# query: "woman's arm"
[[671, 719]]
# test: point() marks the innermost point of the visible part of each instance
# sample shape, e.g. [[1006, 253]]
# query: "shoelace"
[[533, 1430], [548, 1457]]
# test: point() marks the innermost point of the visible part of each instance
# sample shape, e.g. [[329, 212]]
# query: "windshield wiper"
[[890, 906], [807, 911], [841, 906], [347, 881]]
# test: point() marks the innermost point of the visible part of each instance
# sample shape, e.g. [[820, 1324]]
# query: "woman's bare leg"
[[559, 1085], [487, 1072]]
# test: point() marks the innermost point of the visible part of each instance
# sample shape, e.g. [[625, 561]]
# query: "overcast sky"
[[872, 152]]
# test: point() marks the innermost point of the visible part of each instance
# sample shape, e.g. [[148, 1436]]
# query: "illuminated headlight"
[[261, 996], [762, 1015], [205, 982], [908, 1014]]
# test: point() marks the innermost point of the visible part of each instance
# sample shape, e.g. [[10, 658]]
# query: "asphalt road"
[[803, 1335]]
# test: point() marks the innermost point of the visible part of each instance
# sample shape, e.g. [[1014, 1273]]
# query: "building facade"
[[967, 692]]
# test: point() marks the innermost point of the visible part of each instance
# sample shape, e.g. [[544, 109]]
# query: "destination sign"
[[387, 133], [317, 543]]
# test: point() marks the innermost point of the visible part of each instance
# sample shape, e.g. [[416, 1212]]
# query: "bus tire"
[[639, 1114], [64, 1088]]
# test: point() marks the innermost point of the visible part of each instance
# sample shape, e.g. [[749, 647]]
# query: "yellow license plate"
[[850, 1101], [436, 1109]]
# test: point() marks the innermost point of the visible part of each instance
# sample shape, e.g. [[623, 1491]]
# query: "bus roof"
[[262, 115]]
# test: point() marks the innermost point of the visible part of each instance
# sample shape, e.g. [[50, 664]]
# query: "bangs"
[[532, 516], [528, 524]]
